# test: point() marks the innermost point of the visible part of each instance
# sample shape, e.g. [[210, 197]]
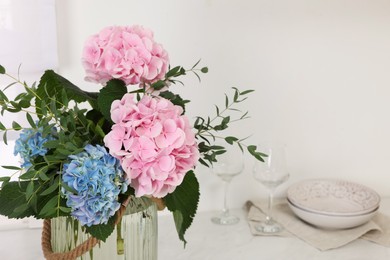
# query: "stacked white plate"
[[333, 204]]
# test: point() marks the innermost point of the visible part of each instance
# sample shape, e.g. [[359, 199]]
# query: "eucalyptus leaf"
[[173, 72], [16, 126], [29, 189], [51, 188], [230, 139], [5, 179], [11, 167], [204, 69], [5, 137], [31, 120], [49, 207], [3, 97]]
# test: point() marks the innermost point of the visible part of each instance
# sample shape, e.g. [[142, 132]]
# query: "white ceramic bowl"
[[331, 221], [333, 197]]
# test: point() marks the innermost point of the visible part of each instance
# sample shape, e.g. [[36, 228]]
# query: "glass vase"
[[134, 238]]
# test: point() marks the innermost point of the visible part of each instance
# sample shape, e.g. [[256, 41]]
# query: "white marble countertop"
[[208, 241]]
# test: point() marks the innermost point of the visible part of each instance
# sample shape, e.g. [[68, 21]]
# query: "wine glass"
[[271, 173], [228, 165]]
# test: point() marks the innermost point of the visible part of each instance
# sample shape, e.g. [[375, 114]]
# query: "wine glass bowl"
[[228, 165], [271, 174]]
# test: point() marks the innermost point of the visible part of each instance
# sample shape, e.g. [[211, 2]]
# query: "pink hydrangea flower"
[[128, 53], [154, 143]]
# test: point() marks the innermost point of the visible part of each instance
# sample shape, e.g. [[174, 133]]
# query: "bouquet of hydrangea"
[[135, 141]]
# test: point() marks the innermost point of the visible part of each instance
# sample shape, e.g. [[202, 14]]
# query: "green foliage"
[[13, 201], [211, 128], [55, 87], [175, 99], [24, 199], [115, 89], [55, 102], [183, 202], [102, 231]]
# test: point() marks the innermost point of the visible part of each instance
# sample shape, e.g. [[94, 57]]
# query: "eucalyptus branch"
[[206, 129], [174, 73]]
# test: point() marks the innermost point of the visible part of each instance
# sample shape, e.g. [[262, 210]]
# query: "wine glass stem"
[[225, 209], [270, 206]]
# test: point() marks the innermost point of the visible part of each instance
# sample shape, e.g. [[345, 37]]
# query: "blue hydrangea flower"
[[29, 145], [97, 179]]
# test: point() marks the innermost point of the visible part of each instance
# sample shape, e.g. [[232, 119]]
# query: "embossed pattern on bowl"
[[333, 197]]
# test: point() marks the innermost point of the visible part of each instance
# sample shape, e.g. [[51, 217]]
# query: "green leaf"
[[257, 155], [3, 96], [31, 120], [204, 162], [16, 106], [225, 120], [68, 188], [217, 110], [64, 151], [49, 207], [10, 167], [24, 103], [42, 106], [246, 92], [196, 64], [230, 139], [51, 144], [43, 176], [52, 187], [217, 147], [2, 127], [115, 89], [48, 129], [52, 85], [158, 85], [65, 100], [70, 146], [204, 70], [21, 209], [172, 72], [102, 231], [175, 99], [241, 148], [99, 131], [52, 212], [65, 209], [5, 179], [53, 107], [30, 174], [5, 137], [236, 94], [196, 74], [29, 189], [183, 203], [244, 115], [226, 101], [16, 126], [2, 70], [12, 196]]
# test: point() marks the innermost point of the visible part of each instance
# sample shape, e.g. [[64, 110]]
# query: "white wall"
[[320, 70]]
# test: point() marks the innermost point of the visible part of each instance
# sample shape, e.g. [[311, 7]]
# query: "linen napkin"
[[377, 230]]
